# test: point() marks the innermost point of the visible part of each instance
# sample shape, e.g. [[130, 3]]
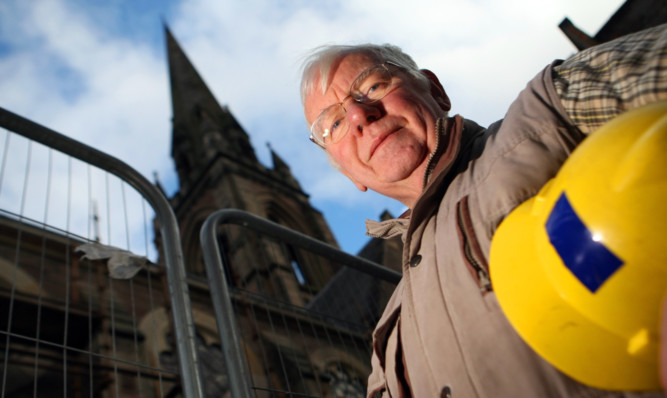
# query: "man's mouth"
[[380, 139]]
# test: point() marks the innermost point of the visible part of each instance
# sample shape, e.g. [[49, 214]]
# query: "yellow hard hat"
[[580, 269]]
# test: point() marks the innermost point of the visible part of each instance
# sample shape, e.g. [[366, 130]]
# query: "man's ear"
[[338, 167], [437, 91], [359, 185]]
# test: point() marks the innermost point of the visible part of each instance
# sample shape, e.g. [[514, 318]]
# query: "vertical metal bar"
[[112, 300], [90, 285], [12, 295], [298, 367], [42, 265], [67, 274], [224, 313], [286, 326], [132, 303], [150, 299], [280, 354], [310, 363], [269, 315], [135, 338], [317, 338], [265, 360]]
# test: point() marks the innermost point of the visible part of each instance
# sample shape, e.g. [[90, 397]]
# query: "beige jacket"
[[443, 333]]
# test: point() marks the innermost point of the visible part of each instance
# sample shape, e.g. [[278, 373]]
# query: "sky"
[[96, 71]]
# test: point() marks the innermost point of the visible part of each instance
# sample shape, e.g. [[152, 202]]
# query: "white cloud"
[[68, 69], [121, 103]]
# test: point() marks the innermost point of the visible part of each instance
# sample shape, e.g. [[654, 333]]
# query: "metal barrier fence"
[[89, 308], [78, 316], [294, 315]]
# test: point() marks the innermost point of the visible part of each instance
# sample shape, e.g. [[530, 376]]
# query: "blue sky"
[[96, 70]]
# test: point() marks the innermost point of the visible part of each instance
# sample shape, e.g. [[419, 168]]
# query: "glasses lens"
[[372, 85], [331, 125]]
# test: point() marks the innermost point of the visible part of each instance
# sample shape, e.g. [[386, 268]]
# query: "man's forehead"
[[350, 64], [341, 74]]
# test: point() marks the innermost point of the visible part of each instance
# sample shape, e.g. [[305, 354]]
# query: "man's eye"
[[331, 132], [376, 86], [375, 89], [335, 125]]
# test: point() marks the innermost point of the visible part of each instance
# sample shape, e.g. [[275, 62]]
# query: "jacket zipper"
[[472, 252], [430, 164]]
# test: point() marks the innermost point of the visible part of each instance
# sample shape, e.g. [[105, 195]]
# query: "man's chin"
[[397, 166]]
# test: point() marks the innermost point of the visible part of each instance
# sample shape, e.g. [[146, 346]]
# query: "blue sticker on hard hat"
[[582, 253]]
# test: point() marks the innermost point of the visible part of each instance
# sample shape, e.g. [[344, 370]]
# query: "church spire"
[[202, 129]]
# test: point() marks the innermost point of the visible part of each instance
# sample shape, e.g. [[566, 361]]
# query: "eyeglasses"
[[370, 86]]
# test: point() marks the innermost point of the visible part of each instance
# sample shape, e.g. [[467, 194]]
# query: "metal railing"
[[294, 315], [282, 323], [15, 299]]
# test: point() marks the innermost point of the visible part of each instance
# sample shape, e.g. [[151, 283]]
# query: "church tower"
[[202, 129], [217, 169]]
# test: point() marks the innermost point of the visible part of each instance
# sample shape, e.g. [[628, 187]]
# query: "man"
[[384, 124]]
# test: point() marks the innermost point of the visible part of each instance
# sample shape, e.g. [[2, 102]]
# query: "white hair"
[[318, 64]]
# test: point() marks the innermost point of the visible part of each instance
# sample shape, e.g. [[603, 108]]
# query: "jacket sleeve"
[[603, 81]]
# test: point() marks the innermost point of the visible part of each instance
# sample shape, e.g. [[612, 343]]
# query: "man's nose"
[[361, 115]]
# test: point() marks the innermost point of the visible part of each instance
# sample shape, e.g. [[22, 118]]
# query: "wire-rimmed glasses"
[[370, 86]]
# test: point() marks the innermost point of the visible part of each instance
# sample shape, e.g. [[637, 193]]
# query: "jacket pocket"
[[470, 249]]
